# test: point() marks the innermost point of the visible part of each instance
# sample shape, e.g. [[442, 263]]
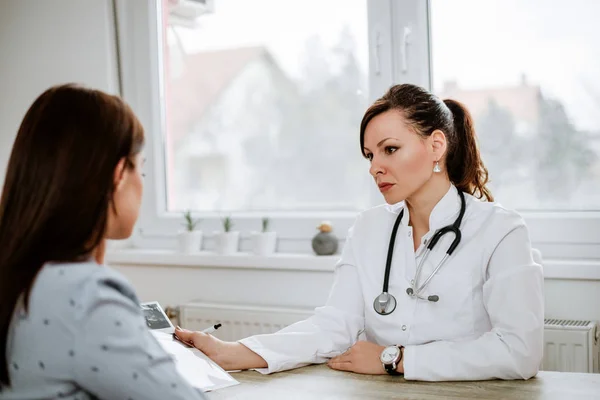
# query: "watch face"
[[389, 354]]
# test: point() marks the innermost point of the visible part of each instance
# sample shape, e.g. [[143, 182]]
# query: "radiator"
[[239, 321], [569, 345]]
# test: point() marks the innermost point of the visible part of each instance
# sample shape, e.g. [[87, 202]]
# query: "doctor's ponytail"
[[463, 162], [425, 113]]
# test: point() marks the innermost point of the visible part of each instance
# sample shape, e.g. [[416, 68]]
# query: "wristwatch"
[[390, 358]]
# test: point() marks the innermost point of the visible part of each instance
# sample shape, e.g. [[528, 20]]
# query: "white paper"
[[199, 370]]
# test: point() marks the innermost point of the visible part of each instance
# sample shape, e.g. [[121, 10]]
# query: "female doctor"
[[440, 281]]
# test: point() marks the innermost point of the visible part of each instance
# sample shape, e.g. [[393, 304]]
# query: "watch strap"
[[391, 369]]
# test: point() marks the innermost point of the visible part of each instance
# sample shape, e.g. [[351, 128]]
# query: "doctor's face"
[[400, 160]]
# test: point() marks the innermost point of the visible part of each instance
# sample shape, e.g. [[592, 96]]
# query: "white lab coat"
[[488, 322]]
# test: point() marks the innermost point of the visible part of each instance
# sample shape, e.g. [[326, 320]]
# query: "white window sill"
[[572, 269], [553, 269], [204, 259]]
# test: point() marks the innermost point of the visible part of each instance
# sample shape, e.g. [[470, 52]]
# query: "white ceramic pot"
[[227, 242], [189, 242], [263, 243]]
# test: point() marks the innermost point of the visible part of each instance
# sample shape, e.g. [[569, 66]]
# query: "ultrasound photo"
[[155, 319]]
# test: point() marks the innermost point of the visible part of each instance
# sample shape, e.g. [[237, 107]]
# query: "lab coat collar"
[[396, 208], [446, 210], [444, 213]]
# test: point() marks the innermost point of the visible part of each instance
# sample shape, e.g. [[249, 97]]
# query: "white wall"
[[575, 299], [172, 286], [43, 43]]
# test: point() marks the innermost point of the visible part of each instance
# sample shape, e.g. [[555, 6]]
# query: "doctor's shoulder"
[[372, 219], [494, 220], [367, 224]]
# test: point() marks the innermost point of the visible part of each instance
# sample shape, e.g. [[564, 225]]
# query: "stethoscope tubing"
[[413, 290]]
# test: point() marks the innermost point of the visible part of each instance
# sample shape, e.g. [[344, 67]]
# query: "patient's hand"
[[208, 344], [228, 355]]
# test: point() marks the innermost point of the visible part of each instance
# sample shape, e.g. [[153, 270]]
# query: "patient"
[[69, 326]]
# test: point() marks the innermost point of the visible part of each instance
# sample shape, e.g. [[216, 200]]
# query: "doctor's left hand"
[[362, 358]]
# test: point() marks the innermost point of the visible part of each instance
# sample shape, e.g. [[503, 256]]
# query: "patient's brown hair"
[[58, 188]]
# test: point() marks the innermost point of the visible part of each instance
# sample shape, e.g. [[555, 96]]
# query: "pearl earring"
[[436, 167]]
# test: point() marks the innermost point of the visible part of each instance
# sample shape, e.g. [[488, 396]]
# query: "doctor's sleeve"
[[329, 332], [513, 349]]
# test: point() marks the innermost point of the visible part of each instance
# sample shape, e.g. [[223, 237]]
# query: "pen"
[[211, 329]]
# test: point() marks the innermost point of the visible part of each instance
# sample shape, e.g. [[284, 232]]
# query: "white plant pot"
[[227, 242], [263, 243], [189, 242]]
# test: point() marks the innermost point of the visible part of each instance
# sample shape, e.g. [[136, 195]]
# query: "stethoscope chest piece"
[[384, 304]]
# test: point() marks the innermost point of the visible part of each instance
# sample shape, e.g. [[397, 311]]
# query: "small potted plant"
[[228, 240], [190, 239], [264, 242]]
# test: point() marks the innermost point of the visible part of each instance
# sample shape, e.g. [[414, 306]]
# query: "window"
[[253, 108], [528, 73], [263, 105]]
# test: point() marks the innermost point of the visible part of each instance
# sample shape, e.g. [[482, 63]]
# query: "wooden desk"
[[320, 382]]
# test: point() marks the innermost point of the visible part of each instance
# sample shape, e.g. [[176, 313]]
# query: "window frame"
[[559, 235]]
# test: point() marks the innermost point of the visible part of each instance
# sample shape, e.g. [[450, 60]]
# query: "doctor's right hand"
[[228, 355]]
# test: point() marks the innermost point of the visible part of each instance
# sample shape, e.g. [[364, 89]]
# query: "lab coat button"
[[403, 327], [412, 281], [409, 233]]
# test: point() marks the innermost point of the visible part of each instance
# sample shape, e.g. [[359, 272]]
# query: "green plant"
[[190, 223], [227, 224], [265, 224]]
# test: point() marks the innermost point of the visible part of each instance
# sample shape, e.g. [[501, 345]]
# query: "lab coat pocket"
[[453, 313]]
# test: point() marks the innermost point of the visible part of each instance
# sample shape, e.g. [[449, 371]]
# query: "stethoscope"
[[385, 303]]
